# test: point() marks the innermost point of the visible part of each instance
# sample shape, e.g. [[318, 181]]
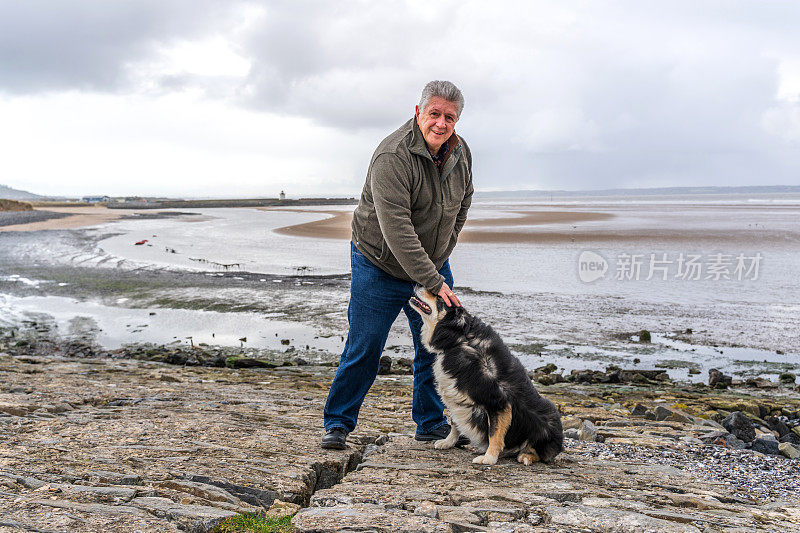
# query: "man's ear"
[[416, 111]]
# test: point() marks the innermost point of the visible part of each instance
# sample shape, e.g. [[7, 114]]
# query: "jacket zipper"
[[455, 155]]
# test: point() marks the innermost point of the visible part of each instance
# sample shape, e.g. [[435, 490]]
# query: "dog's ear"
[[461, 315], [454, 312]]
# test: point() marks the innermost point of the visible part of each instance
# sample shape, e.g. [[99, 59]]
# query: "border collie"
[[490, 396]]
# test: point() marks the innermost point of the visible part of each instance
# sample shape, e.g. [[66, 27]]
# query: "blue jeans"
[[376, 299]]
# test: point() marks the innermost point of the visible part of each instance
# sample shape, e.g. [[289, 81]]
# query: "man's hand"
[[448, 296]]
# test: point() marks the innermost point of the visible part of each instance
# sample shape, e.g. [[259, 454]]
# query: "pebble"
[[749, 474]]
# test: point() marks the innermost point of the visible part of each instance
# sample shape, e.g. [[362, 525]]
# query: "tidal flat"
[[297, 286]]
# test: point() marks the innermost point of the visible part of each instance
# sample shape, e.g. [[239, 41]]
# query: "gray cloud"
[[86, 44], [622, 93]]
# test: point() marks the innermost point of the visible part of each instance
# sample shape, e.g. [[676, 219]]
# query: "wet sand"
[[521, 229], [78, 217], [338, 225]]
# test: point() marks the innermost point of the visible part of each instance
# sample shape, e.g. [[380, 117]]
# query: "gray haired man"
[[413, 206]]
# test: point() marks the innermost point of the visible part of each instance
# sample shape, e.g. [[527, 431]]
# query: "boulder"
[[765, 446], [403, 365], [587, 431], [385, 365], [662, 413], [723, 438], [776, 424], [718, 380], [740, 425], [790, 451], [549, 368], [790, 438]]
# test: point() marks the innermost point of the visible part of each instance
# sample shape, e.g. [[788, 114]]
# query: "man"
[[413, 206]]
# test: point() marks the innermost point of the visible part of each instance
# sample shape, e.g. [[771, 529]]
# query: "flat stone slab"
[[143, 446], [154, 454], [592, 518], [404, 476]]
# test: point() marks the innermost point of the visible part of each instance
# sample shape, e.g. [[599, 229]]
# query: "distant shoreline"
[[233, 202]]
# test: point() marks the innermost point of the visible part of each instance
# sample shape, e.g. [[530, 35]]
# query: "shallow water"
[[531, 292], [764, 239], [112, 327]]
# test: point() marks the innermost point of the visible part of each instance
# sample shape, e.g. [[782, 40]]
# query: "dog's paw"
[[527, 458], [485, 459], [442, 444]]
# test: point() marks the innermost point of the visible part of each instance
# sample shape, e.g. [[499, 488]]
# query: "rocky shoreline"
[[165, 438]]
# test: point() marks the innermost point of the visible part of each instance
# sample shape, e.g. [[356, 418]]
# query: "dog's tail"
[[547, 437]]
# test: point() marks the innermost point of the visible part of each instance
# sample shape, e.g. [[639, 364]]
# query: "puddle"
[[111, 327]]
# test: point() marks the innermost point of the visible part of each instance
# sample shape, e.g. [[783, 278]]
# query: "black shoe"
[[441, 433], [335, 439]]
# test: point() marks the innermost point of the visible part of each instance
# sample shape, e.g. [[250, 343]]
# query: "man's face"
[[437, 121]]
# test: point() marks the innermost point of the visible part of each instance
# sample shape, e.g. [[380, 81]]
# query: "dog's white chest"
[[460, 405]]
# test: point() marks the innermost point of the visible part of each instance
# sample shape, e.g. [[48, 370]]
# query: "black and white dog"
[[490, 396]]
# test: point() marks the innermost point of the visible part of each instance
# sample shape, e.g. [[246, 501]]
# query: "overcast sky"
[[245, 98]]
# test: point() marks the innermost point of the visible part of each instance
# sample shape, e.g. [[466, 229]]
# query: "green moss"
[[237, 361], [205, 304], [532, 349], [255, 523]]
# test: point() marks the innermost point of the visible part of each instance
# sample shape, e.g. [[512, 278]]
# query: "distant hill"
[[16, 194], [660, 191]]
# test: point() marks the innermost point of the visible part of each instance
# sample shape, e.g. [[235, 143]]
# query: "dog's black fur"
[[480, 367]]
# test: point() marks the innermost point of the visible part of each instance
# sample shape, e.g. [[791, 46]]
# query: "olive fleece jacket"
[[409, 216]]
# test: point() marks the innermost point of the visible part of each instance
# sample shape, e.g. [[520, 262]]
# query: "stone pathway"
[[104, 444]]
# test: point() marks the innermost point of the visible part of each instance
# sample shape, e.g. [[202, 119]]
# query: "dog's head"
[[432, 308]]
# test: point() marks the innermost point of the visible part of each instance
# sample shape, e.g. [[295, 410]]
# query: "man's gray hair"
[[442, 89]]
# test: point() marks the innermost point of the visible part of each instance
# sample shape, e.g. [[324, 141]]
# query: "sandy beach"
[[338, 225], [78, 217], [562, 226]]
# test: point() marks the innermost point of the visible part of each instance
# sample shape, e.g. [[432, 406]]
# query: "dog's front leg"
[[497, 437], [449, 441]]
